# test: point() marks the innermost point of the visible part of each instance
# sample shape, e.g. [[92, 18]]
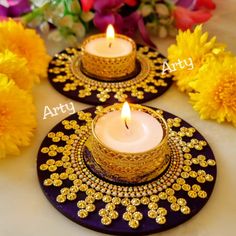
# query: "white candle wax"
[[100, 47], [144, 132]]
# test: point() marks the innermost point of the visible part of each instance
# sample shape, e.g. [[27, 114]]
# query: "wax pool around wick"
[[101, 47], [144, 133]]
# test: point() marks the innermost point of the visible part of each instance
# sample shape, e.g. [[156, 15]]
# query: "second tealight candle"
[[140, 133]]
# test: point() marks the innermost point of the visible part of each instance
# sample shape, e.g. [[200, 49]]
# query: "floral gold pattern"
[[66, 76], [180, 192]]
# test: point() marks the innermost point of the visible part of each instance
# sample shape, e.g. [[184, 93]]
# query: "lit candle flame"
[[110, 34], [126, 114]]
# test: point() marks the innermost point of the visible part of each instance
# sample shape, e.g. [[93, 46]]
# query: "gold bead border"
[[69, 157], [116, 190], [111, 86], [64, 70]]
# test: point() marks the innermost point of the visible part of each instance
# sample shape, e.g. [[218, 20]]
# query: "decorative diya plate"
[[66, 75], [87, 197]]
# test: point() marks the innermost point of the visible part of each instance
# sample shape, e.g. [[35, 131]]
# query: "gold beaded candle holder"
[[108, 68], [131, 167]]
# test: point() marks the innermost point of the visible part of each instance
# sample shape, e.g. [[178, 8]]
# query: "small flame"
[[110, 34], [125, 112]]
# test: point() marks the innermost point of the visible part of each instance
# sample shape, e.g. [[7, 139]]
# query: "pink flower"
[[3, 12], [87, 5], [208, 4], [14, 8], [185, 19], [107, 12], [189, 4], [131, 2], [195, 4]]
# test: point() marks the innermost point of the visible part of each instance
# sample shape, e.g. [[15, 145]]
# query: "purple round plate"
[[66, 76], [86, 197]]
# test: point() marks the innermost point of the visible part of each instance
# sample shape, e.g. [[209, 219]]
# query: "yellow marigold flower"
[[194, 45], [15, 68], [215, 96], [17, 117], [25, 43]]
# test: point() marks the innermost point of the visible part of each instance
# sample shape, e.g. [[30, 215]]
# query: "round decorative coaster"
[[90, 199], [66, 76]]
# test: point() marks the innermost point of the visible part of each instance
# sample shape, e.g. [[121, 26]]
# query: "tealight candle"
[[129, 144], [109, 56], [129, 131], [109, 46]]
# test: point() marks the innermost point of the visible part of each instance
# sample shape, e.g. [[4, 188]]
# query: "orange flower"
[[26, 44], [17, 118], [15, 68], [215, 88]]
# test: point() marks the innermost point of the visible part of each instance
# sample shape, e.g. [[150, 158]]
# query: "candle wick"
[[110, 44], [126, 125]]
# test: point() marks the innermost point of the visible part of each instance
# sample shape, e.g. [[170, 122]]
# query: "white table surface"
[[25, 211]]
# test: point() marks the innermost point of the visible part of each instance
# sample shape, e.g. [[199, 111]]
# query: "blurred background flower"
[[87, 5], [25, 43], [71, 20], [109, 12], [211, 84], [199, 48], [17, 117], [60, 19], [164, 17], [23, 60], [15, 67], [128, 22], [186, 19], [215, 89], [188, 13], [14, 8]]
